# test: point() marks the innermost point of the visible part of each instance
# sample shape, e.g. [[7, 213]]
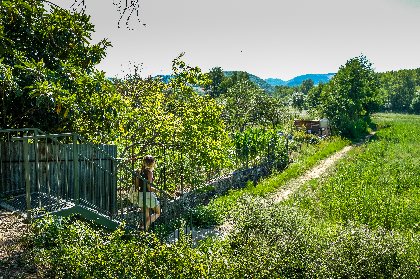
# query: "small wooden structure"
[[316, 127]]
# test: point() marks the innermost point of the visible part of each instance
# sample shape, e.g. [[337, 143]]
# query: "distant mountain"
[[269, 84], [316, 78], [257, 80], [164, 78], [275, 81]]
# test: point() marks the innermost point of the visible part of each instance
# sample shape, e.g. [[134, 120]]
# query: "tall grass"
[[378, 184], [307, 157]]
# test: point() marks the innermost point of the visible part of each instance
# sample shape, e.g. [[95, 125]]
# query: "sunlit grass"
[[378, 184]]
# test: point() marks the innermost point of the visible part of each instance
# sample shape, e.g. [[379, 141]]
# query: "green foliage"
[[217, 85], [281, 241], [415, 103], [313, 99], [286, 240], [238, 102], [246, 105], [256, 143], [278, 241], [378, 185], [72, 249], [298, 100], [221, 206], [350, 97], [48, 68], [181, 128], [399, 90], [306, 86]]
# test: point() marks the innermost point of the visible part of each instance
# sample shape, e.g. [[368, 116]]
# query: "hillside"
[[316, 78], [257, 80], [270, 83]]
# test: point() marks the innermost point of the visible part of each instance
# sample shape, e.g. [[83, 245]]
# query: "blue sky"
[[268, 38]]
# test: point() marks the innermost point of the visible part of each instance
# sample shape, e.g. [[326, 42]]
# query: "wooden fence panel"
[[51, 172]]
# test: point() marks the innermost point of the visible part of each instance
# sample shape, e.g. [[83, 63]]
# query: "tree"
[[268, 111], [215, 88], [306, 86], [298, 100], [398, 89], [403, 91], [351, 96], [48, 71], [313, 99], [174, 115], [239, 103], [415, 103]]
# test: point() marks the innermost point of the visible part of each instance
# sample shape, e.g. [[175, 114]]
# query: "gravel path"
[[14, 260], [319, 170], [316, 172]]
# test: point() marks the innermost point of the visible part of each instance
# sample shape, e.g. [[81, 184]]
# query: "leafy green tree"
[[239, 103], [415, 103], [403, 90], [268, 111], [284, 93], [313, 99], [398, 89], [216, 86], [306, 86], [351, 96], [299, 100], [174, 115], [48, 71]]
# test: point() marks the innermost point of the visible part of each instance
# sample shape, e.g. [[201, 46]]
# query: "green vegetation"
[[378, 185], [361, 222], [350, 97], [219, 208], [48, 78], [308, 236]]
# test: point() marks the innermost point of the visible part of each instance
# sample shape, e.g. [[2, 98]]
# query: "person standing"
[[144, 187]]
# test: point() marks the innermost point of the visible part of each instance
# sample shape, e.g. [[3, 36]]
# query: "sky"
[[268, 38]]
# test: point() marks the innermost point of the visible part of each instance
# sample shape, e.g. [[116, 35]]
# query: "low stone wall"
[[202, 196]]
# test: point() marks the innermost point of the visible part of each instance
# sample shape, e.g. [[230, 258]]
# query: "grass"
[[309, 156], [377, 185]]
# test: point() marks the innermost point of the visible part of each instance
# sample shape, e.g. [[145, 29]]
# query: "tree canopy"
[[48, 70], [351, 96]]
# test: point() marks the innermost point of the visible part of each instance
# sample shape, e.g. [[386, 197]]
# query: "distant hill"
[[269, 84], [165, 78], [257, 80], [275, 81], [316, 78]]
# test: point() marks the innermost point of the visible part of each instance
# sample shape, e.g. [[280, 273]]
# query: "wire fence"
[[42, 173]]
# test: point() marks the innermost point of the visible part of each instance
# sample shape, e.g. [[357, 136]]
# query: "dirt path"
[[14, 260], [316, 172], [319, 170]]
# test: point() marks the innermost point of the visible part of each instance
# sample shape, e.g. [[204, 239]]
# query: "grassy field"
[[378, 185]]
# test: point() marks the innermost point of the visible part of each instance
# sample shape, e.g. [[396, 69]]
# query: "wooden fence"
[[49, 175]]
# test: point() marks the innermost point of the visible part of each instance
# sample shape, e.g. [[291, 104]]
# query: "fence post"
[[76, 171], [27, 177]]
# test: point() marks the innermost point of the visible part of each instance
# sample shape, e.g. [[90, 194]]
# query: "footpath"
[[321, 169]]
